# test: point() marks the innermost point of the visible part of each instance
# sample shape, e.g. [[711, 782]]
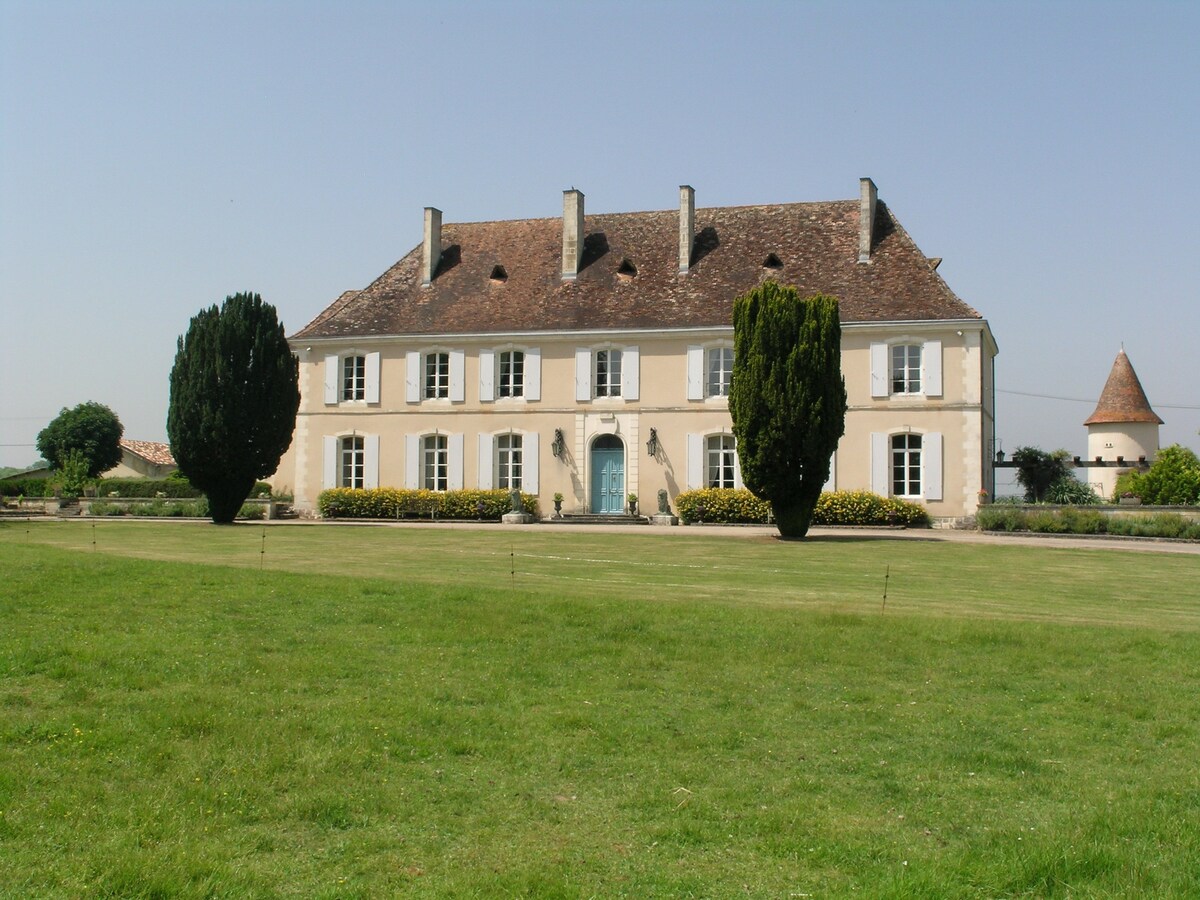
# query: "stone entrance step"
[[588, 519]]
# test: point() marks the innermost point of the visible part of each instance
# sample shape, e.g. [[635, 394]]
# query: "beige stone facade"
[[572, 410]]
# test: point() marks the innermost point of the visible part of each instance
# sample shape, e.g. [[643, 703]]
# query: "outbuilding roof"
[[505, 276], [1123, 399]]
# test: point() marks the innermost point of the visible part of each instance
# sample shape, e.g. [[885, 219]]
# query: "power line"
[[1081, 400]]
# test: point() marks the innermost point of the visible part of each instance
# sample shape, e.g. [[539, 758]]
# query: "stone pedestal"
[[662, 519], [516, 518]]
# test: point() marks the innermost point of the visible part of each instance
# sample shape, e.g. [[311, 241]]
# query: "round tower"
[[1123, 427]]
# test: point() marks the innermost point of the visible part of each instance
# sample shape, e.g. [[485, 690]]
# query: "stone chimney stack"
[[432, 249], [572, 252], [867, 197], [687, 226]]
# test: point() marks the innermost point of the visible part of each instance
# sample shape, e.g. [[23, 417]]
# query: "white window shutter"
[[583, 374], [630, 373], [487, 376], [695, 373], [485, 462], [372, 392], [458, 367], [412, 461], [412, 376], [329, 469], [333, 374], [931, 463], [454, 477], [831, 482], [533, 374], [931, 360], [880, 373], [737, 470], [881, 464], [529, 462], [371, 461], [695, 461]]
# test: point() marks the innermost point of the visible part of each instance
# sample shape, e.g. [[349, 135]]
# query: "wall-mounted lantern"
[[652, 445], [559, 445]]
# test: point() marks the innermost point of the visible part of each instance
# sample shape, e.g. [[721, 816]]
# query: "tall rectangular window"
[[720, 371], [511, 381], [722, 461], [435, 456], [608, 373], [354, 378], [906, 465], [437, 375], [906, 368], [508, 461], [353, 462]]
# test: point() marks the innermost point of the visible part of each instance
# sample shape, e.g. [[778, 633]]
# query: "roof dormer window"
[[772, 262], [499, 274], [627, 269]]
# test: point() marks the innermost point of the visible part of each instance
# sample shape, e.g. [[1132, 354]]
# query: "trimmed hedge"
[[175, 488], [731, 506], [739, 506], [26, 487], [1085, 521], [178, 508], [399, 503]]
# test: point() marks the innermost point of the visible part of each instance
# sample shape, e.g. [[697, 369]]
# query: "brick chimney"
[[687, 226], [572, 251], [867, 197], [431, 251]]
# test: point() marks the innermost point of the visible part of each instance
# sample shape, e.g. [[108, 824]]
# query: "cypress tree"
[[234, 395], [787, 398]]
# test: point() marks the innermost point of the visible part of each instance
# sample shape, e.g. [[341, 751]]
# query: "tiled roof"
[[154, 452], [816, 246], [1123, 399]]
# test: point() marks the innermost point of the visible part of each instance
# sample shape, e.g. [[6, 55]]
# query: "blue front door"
[[608, 475]]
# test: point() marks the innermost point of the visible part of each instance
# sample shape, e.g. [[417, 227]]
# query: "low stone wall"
[[53, 506], [1191, 513]]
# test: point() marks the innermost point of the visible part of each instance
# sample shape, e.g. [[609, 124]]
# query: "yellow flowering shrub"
[[738, 506], [723, 505], [403, 503]]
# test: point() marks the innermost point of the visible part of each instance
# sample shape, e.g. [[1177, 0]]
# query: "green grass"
[[380, 711]]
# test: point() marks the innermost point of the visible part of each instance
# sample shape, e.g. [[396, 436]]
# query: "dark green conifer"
[[234, 396], [787, 398]]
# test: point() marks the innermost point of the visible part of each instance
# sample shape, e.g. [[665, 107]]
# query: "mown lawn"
[[359, 712]]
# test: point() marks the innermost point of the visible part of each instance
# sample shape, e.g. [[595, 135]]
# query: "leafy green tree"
[[1037, 470], [787, 398], [234, 395], [90, 428], [1173, 479]]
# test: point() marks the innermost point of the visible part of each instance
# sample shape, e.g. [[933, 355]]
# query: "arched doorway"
[[608, 475]]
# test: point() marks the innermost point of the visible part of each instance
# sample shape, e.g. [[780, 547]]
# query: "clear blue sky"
[[155, 157]]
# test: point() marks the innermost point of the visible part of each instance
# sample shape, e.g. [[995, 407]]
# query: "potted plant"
[[1129, 498], [633, 504], [558, 500]]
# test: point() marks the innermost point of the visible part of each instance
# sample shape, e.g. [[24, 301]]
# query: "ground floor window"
[[906, 465], [435, 455], [508, 461], [353, 462], [722, 461]]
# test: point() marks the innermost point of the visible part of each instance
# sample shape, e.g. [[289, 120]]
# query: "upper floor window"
[[906, 465], [352, 459], [722, 461], [510, 380], [354, 378], [906, 368], [607, 382], [437, 375], [435, 459], [720, 371], [508, 461]]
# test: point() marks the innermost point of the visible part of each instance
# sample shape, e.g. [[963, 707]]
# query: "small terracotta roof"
[[1123, 399], [154, 452], [815, 246]]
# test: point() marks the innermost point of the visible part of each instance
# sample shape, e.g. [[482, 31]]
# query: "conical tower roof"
[[1123, 399]]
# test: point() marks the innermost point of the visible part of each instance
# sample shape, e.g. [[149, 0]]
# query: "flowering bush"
[[727, 505], [865, 508], [731, 506], [401, 503]]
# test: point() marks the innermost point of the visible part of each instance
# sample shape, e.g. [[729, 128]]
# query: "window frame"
[[353, 378], [435, 456], [724, 373], [720, 457], [509, 461], [510, 384], [352, 461], [907, 461], [906, 379], [435, 375], [611, 386]]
